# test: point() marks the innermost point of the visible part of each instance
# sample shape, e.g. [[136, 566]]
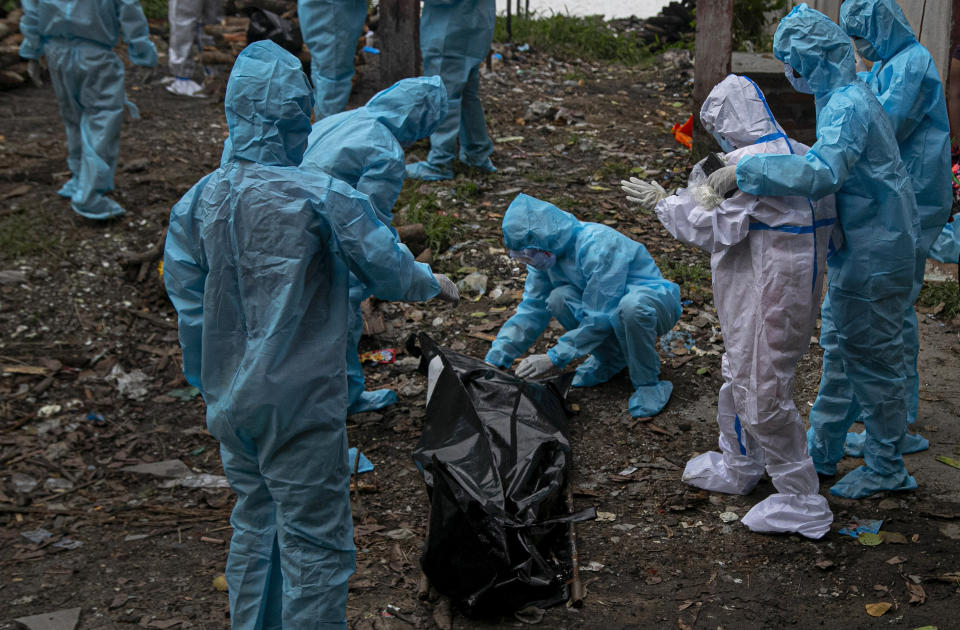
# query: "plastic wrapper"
[[496, 460], [702, 193]]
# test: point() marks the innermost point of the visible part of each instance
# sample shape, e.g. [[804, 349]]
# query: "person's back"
[[77, 38], [364, 147], [907, 83], [98, 21], [257, 263], [905, 80]]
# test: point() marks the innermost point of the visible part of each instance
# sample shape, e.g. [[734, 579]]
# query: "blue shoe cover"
[[102, 208], [427, 172], [486, 165], [68, 188], [823, 468], [594, 372], [371, 401], [648, 400], [912, 443], [861, 482]]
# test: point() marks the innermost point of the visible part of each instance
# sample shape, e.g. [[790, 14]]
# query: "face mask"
[[725, 144], [536, 258], [866, 49], [798, 82]]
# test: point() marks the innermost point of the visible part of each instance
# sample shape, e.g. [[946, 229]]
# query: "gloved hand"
[[723, 180], [35, 72], [448, 290], [534, 366], [647, 194]]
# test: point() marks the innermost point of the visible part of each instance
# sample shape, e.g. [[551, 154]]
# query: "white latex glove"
[[534, 366], [35, 72], [723, 180], [647, 194], [448, 290]]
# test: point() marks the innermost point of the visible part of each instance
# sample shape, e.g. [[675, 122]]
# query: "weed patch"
[[933, 294], [22, 235], [424, 208], [571, 37]]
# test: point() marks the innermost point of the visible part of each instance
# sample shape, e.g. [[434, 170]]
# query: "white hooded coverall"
[[768, 261]]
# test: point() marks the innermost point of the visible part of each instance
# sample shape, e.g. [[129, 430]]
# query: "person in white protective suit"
[[768, 260], [187, 18]]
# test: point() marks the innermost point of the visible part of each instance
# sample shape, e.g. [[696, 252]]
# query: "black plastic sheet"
[[496, 460]]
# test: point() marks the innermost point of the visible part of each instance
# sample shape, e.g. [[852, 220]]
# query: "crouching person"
[[768, 263], [603, 287], [257, 263]]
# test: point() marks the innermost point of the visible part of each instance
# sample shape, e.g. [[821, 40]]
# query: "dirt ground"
[[80, 324]]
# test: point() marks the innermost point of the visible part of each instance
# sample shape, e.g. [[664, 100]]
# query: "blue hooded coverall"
[[871, 275], [257, 263], [605, 289], [77, 38], [905, 80], [330, 30], [364, 148], [455, 38]]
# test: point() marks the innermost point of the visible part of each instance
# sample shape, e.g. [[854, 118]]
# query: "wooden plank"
[[913, 11], [935, 34], [399, 37], [712, 52]]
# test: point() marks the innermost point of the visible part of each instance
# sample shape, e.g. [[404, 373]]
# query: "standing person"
[[77, 38], [187, 18], [455, 38], [907, 83], [603, 287], [364, 148], [767, 258], [331, 29], [257, 263], [871, 276]]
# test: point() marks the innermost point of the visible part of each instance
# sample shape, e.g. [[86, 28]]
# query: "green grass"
[[22, 235], [935, 293], [570, 37], [424, 208], [613, 169], [154, 9], [694, 280]]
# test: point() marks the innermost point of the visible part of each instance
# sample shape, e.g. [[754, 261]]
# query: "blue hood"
[[880, 22], [530, 222], [268, 104], [410, 108], [817, 49]]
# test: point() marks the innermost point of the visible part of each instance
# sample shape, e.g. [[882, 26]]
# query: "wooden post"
[[712, 52], [398, 35], [509, 25]]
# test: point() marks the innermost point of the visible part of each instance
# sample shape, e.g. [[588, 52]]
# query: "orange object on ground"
[[683, 132]]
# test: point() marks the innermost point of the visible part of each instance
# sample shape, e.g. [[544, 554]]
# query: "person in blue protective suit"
[[455, 38], [907, 83], [768, 260], [77, 38], [871, 275], [257, 263], [603, 287], [364, 148], [330, 30]]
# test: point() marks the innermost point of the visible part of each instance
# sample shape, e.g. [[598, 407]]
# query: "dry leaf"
[[878, 609], [917, 594], [896, 560], [824, 564], [893, 538], [881, 588]]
